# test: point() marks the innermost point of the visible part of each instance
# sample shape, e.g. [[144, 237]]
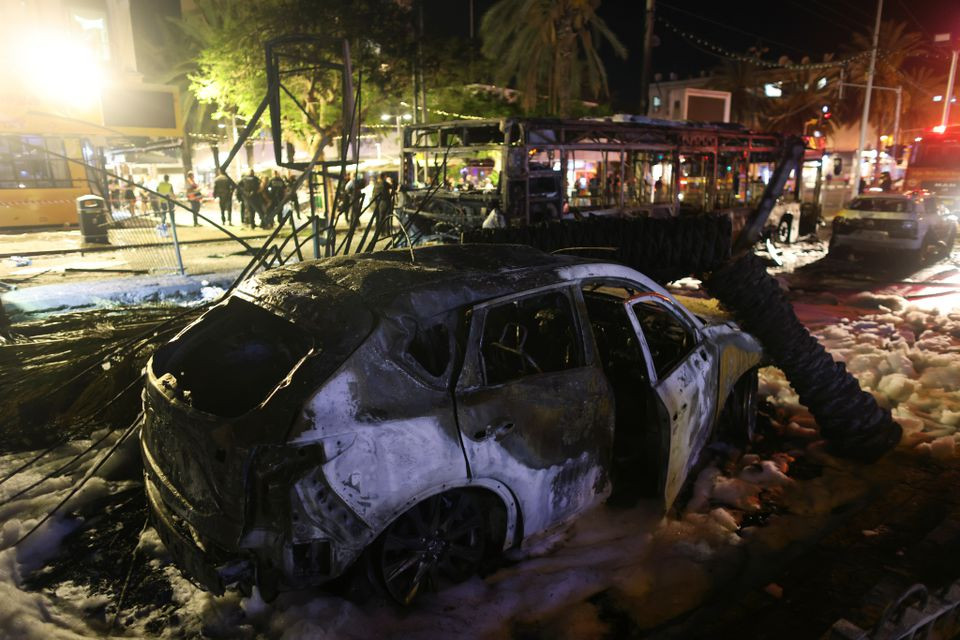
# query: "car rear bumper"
[[197, 563], [864, 242]]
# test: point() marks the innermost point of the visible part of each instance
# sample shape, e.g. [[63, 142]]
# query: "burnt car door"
[[533, 414], [683, 371]]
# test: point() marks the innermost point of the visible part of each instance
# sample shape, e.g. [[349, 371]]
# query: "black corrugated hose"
[[854, 425], [666, 249]]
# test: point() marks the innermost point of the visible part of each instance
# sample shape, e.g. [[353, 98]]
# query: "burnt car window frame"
[[677, 310], [594, 285], [414, 365], [479, 313]]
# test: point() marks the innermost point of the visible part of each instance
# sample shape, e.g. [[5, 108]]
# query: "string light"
[[718, 50]]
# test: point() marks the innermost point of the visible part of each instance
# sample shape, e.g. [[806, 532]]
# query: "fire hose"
[[850, 419]]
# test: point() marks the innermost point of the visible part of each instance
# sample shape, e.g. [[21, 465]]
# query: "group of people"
[[375, 196], [134, 198], [257, 196]]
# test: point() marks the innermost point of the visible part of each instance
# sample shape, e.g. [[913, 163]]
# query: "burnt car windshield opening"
[[532, 335], [232, 359]]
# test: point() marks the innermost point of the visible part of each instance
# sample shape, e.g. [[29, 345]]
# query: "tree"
[[549, 46], [805, 91], [172, 59], [230, 66], [744, 80], [901, 54]]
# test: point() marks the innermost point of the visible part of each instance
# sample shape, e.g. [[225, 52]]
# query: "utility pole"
[[421, 83], [945, 120], [648, 13], [864, 119]]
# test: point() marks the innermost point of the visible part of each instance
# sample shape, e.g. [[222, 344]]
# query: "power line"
[[729, 27], [840, 16], [914, 18], [716, 50]]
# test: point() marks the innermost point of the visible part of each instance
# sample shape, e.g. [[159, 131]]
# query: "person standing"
[[130, 195], [294, 197], [165, 189], [382, 202], [250, 199], [193, 197], [276, 189], [223, 192]]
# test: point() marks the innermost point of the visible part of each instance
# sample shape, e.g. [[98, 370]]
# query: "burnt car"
[[423, 412], [914, 225]]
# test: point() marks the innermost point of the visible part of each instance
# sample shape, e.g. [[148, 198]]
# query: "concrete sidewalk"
[[45, 242]]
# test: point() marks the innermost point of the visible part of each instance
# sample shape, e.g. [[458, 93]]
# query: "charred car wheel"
[[738, 421], [785, 230], [441, 540]]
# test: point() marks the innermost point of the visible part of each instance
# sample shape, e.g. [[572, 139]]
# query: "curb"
[[137, 290]]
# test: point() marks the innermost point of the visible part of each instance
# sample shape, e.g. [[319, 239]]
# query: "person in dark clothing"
[[348, 196], [193, 197], [886, 182], [276, 189], [294, 198], [223, 192], [383, 202], [130, 196], [250, 199], [113, 187]]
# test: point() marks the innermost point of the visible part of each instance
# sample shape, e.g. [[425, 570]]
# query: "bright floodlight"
[[937, 98], [384, 117], [58, 68], [939, 128], [407, 116]]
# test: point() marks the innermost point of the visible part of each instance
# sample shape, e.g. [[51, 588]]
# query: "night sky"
[[787, 27]]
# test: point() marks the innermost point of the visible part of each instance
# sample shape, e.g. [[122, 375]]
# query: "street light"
[[57, 67], [386, 117]]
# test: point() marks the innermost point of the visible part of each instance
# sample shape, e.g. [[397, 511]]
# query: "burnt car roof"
[[440, 278]]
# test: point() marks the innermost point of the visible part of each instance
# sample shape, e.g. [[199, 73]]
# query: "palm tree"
[[549, 45], [172, 60], [743, 79], [805, 91], [900, 55]]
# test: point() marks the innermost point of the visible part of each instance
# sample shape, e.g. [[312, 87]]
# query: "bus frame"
[[514, 142]]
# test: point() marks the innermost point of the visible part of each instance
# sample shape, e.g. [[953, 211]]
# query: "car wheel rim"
[[783, 232], [440, 540]]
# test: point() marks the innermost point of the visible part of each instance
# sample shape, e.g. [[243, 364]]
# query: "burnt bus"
[[528, 170]]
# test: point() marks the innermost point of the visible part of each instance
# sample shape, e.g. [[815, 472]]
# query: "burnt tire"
[[440, 541], [737, 423], [785, 230], [852, 422]]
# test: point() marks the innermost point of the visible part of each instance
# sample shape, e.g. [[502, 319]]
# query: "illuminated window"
[[25, 165], [773, 90]]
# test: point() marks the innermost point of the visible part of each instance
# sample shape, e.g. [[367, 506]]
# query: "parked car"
[[424, 412], [915, 226]]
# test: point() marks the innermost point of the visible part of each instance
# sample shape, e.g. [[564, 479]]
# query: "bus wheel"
[[785, 229]]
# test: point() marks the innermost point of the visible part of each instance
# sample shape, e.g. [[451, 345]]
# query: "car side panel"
[[738, 352], [399, 436]]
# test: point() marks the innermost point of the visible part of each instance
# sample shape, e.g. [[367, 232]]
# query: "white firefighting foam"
[[650, 567]]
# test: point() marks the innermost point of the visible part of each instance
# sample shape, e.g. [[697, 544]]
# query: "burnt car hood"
[[231, 384]]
